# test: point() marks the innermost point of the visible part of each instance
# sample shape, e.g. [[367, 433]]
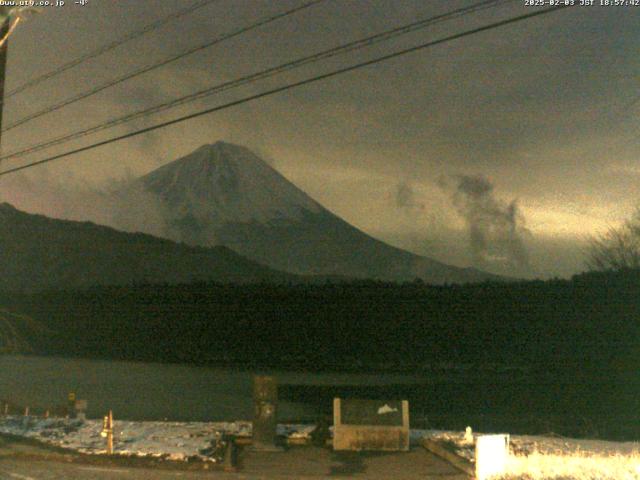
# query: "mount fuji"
[[224, 194]]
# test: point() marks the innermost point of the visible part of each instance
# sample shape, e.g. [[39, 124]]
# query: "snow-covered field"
[[538, 458], [171, 440]]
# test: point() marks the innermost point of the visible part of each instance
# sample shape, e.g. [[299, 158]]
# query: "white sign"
[[492, 454]]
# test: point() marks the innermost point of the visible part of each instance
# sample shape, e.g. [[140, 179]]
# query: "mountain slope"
[[223, 194], [37, 252]]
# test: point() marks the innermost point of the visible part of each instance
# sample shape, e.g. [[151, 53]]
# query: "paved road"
[[22, 469]]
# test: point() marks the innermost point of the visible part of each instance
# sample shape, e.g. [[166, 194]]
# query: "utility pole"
[[4, 31]]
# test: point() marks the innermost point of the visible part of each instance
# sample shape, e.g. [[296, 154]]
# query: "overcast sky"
[[543, 114]]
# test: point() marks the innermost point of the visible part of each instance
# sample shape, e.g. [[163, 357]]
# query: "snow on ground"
[[172, 440], [532, 457], [537, 457], [527, 445]]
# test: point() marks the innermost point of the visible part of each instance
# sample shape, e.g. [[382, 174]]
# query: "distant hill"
[[37, 252], [223, 194]]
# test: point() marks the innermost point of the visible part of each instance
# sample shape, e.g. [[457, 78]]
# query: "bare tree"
[[618, 248]]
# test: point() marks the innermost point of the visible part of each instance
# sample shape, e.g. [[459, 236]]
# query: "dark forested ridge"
[[589, 322], [38, 253]]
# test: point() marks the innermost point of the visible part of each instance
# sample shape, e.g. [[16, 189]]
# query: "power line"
[[348, 47], [109, 46], [289, 87], [162, 63]]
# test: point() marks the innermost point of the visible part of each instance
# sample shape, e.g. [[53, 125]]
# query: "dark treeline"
[[590, 322]]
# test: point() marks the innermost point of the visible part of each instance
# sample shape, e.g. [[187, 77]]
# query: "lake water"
[[154, 391], [507, 401]]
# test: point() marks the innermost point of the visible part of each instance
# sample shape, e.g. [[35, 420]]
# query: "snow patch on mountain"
[[227, 183]]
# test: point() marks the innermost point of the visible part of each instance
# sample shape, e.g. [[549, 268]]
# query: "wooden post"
[[80, 410], [107, 431], [265, 398], [25, 418], [71, 402], [110, 434], [229, 454]]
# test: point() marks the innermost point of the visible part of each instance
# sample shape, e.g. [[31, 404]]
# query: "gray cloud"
[[494, 228], [405, 197], [130, 210]]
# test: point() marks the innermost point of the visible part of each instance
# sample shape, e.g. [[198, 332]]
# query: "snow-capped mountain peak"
[[223, 182]]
